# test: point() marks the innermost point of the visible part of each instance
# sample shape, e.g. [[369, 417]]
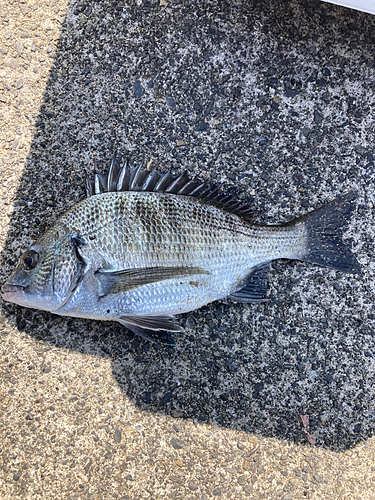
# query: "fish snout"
[[9, 292]]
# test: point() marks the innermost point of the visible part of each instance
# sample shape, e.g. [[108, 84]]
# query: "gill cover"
[[67, 269]]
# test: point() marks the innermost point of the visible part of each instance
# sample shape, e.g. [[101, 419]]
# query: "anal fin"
[[255, 286]]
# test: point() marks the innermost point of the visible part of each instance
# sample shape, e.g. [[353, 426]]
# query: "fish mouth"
[[10, 292]]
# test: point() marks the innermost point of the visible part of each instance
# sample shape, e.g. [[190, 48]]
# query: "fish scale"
[[145, 246], [186, 231]]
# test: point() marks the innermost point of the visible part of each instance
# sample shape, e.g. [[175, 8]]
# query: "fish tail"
[[324, 229]]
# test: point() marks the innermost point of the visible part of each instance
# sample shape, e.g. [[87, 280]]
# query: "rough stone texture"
[[275, 97]]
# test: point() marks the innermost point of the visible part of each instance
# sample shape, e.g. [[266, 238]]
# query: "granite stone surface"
[[275, 98]]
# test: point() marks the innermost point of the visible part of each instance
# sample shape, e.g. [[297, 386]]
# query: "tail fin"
[[325, 227]]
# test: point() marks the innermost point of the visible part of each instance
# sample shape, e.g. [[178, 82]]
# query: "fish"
[[145, 246]]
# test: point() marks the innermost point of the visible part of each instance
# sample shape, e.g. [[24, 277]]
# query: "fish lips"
[[10, 293]]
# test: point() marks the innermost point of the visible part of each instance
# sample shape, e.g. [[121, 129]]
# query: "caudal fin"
[[325, 227]]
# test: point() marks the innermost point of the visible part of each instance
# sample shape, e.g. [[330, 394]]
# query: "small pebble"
[[170, 102], [246, 465], [202, 126], [209, 108], [318, 118], [306, 131], [17, 476], [138, 89], [12, 63], [242, 480], [288, 496], [177, 444], [192, 486], [177, 414], [166, 398], [46, 367], [117, 436]]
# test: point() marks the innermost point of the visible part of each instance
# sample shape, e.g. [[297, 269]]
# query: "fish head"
[[48, 273]]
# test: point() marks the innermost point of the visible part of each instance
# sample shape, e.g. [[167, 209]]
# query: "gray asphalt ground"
[[275, 98]]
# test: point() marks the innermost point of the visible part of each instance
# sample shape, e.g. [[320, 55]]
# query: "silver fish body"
[[140, 257], [154, 230]]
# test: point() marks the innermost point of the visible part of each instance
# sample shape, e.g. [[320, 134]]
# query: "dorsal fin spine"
[[121, 177], [97, 184], [188, 188], [110, 176], [149, 180], [197, 189], [164, 181], [174, 183], [137, 172], [88, 187], [125, 178]]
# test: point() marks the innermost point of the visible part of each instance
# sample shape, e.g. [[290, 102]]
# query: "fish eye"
[[30, 260]]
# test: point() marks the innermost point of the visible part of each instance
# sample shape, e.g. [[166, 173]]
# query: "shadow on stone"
[[144, 78]]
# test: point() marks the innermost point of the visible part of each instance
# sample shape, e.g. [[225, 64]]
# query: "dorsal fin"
[[125, 178]]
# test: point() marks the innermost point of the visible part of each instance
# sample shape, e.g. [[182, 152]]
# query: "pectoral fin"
[[152, 328], [255, 286], [112, 282]]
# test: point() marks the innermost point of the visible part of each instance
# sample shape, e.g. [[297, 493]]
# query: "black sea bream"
[[145, 246]]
